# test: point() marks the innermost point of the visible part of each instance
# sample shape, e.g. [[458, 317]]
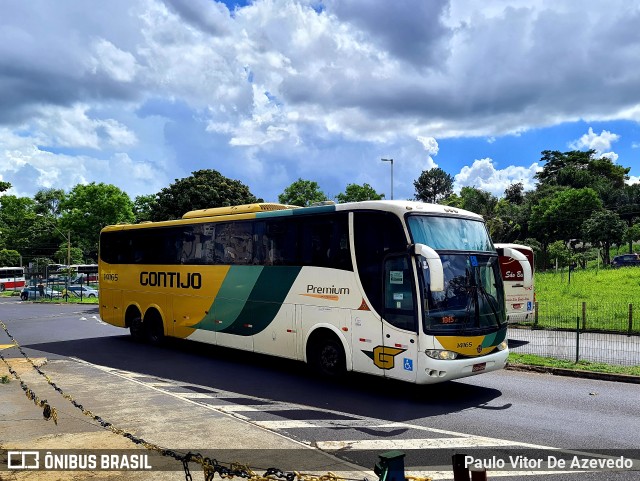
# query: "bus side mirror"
[[524, 262], [436, 273]]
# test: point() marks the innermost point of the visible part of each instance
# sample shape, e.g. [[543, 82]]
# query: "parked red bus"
[[519, 292], [11, 278]]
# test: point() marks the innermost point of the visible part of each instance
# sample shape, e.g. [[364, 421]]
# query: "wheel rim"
[[330, 358]]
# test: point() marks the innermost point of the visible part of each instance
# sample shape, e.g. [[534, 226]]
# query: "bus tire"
[[153, 331], [136, 329], [327, 356]]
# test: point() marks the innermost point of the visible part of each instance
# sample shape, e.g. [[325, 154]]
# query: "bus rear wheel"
[[153, 331], [327, 357]]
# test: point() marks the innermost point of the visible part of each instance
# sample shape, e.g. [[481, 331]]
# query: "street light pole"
[[390, 160]]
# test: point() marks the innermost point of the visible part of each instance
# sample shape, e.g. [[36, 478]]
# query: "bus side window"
[[398, 296], [375, 235], [280, 241]]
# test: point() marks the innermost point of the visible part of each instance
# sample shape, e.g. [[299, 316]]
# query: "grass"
[[606, 293], [57, 300], [5, 379], [533, 360]]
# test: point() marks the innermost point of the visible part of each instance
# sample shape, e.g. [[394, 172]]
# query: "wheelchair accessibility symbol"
[[408, 364]]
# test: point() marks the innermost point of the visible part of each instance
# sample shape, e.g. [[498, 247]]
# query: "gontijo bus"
[[405, 290]]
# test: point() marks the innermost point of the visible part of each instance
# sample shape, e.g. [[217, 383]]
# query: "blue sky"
[[138, 93]]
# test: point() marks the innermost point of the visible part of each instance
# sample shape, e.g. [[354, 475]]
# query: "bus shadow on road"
[[276, 379]]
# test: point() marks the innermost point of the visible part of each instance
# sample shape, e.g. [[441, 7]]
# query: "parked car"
[[32, 292], [80, 291], [626, 260]]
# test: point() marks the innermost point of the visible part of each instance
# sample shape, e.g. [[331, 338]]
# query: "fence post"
[[584, 316], [460, 471], [630, 319], [535, 315], [578, 338]]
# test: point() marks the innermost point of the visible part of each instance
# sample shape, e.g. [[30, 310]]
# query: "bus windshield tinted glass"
[[450, 233], [473, 296]]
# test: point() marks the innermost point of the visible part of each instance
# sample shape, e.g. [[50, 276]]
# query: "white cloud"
[[285, 87], [118, 64], [72, 127], [483, 175], [600, 143], [633, 179]]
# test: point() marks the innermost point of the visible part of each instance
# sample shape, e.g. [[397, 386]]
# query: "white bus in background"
[[519, 292], [80, 273], [11, 278]]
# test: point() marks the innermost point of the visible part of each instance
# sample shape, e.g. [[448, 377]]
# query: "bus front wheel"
[[327, 356]]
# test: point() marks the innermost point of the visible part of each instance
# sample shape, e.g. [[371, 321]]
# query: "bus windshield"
[[450, 233], [472, 300]]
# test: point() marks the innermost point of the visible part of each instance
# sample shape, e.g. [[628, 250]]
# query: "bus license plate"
[[481, 366]]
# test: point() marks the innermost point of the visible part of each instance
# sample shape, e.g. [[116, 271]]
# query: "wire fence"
[[607, 332]]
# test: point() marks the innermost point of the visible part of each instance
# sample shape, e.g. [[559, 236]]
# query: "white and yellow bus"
[[399, 289], [519, 292]]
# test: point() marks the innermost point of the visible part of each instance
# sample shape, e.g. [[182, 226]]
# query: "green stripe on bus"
[[495, 338], [265, 301], [229, 303]]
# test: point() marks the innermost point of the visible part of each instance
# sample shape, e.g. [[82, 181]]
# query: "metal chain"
[[210, 466], [48, 411]]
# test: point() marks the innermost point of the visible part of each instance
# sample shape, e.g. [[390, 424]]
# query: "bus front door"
[[399, 328]]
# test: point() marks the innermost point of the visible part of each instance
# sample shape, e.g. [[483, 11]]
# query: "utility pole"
[[390, 160]]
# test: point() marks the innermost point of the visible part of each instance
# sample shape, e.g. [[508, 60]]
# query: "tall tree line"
[[579, 207]]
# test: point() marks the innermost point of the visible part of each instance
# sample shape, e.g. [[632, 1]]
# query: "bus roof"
[[264, 210]]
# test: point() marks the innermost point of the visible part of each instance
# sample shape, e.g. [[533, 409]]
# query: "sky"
[[139, 93]]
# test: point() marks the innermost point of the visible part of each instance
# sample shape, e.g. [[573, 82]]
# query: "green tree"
[[143, 206], [514, 194], [560, 216], [88, 208], [302, 193], [9, 258], [433, 185], [5, 186], [358, 193], [632, 235], [505, 224], [478, 201], [579, 169], [77, 255], [603, 229], [559, 254], [560, 167], [17, 223], [47, 202], [204, 189]]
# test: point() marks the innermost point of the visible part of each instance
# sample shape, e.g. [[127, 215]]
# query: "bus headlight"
[[502, 346], [441, 354]]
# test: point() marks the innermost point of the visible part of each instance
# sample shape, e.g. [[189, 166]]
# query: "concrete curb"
[[558, 371]]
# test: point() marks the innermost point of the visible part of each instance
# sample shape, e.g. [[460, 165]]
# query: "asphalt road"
[[527, 409]]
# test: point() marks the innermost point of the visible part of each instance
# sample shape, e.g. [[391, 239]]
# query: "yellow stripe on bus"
[[328, 297]]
